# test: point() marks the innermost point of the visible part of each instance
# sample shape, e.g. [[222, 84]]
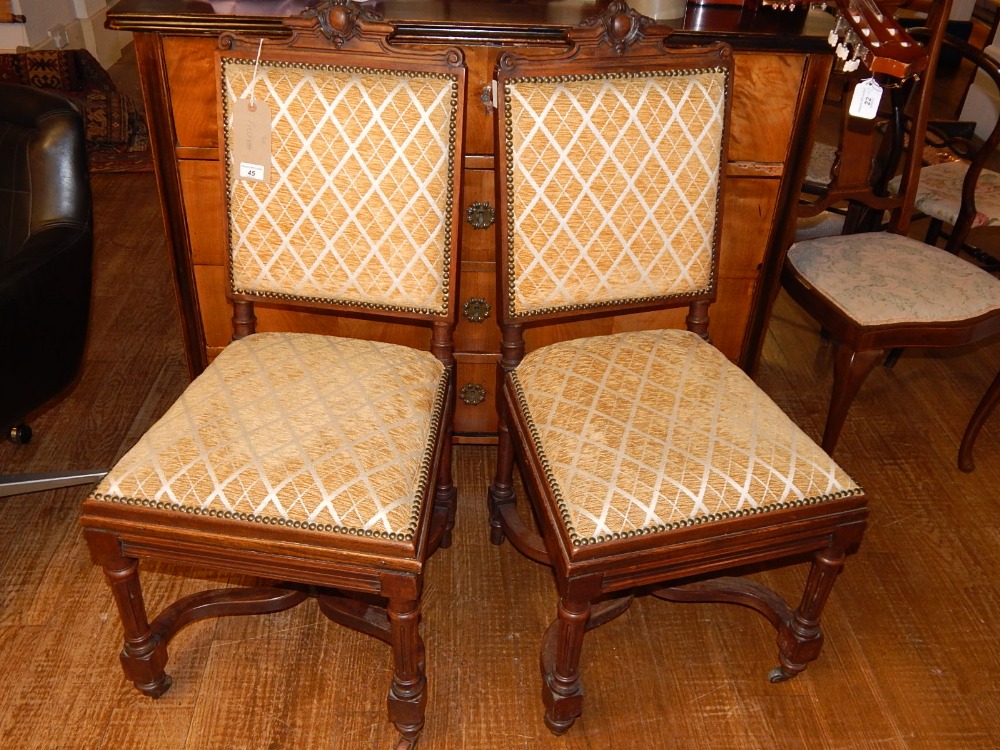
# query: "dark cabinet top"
[[753, 26]]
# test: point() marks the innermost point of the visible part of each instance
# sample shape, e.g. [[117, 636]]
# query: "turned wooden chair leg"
[[986, 406], [850, 369], [144, 655], [445, 495], [562, 688], [501, 491], [407, 694], [801, 639]]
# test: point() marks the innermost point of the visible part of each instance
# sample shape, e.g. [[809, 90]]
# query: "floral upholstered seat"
[[939, 194], [889, 279]]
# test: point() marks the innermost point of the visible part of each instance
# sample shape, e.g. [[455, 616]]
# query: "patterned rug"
[[117, 136]]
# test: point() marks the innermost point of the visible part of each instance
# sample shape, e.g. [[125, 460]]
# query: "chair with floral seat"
[[653, 464], [319, 462], [876, 292], [956, 188]]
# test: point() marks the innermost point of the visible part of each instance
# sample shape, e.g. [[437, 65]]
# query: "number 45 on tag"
[[251, 139]]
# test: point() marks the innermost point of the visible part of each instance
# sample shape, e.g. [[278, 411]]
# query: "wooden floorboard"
[[911, 660]]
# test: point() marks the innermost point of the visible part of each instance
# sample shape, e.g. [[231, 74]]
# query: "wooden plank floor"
[[911, 661]]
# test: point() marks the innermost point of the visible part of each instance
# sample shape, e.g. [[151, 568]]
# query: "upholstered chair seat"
[[646, 432], [939, 194], [297, 430], [958, 188], [893, 281]]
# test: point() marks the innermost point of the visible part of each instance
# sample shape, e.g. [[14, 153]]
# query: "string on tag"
[[253, 79]]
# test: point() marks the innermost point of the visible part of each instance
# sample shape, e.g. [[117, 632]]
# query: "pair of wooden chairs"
[[654, 464]]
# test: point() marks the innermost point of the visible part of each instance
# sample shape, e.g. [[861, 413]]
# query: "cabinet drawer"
[[475, 405], [477, 329], [479, 226]]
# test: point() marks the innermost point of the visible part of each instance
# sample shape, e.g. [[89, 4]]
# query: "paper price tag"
[[864, 103], [252, 171], [251, 139]]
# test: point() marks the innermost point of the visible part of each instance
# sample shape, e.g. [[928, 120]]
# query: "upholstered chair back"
[[371, 155], [613, 188]]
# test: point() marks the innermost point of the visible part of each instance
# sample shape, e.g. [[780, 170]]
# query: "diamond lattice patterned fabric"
[[295, 429], [648, 431], [360, 190], [614, 187]]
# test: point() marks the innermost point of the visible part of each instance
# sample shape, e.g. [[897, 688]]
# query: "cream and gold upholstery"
[[359, 165], [652, 431], [298, 430], [318, 461], [614, 188], [649, 457]]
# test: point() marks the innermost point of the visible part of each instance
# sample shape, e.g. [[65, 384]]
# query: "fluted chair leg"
[[144, 655], [801, 639], [407, 694], [562, 688]]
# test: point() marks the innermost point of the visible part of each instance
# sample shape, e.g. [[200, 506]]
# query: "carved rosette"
[[623, 26], [338, 19]]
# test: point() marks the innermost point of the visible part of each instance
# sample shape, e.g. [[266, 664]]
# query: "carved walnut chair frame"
[[366, 574], [701, 553]]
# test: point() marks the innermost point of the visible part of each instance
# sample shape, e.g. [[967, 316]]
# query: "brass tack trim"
[[509, 150], [580, 541], [453, 138]]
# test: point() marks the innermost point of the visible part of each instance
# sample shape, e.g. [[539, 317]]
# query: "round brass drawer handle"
[[480, 215], [472, 394], [476, 310]]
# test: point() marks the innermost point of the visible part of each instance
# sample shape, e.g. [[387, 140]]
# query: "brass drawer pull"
[[480, 215], [472, 394], [476, 310], [486, 97]]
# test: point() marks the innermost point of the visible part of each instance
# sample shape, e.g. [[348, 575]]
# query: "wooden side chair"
[[956, 189], [320, 462], [875, 292], [654, 465]]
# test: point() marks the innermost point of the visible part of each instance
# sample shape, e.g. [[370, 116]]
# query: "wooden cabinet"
[[777, 87]]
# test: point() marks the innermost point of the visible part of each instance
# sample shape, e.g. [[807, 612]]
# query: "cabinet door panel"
[[765, 91], [192, 79], [475, 406]]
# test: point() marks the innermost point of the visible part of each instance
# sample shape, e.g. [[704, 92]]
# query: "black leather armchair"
[[46, 243]]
